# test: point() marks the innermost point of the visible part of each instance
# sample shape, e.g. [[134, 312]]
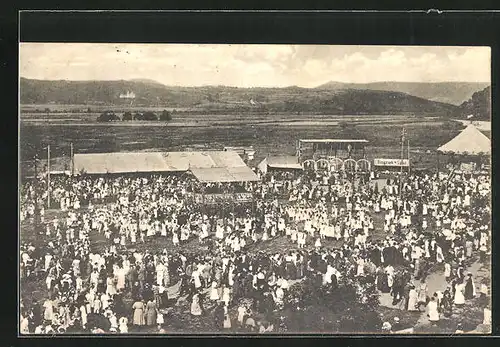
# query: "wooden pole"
[[401, 164], [37, 212], [72, 159], [409, 163], [437, 153], [48, 176], [402, 149]]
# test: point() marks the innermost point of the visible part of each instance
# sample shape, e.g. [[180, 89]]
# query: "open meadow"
[[268, 134]]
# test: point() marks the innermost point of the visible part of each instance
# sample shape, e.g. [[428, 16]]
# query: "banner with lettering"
[[391, 162], [212, 199], [467, 167]]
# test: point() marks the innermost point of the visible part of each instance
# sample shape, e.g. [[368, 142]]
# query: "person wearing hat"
[[112, 320], [123, 325], [459, 299], [470, 288], [432, 310], [412, 299], [395, 324], [227, 318]]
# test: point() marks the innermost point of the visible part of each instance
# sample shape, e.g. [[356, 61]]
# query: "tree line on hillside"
[[110, 116], [228, 100], [58, 110], [479, 105]]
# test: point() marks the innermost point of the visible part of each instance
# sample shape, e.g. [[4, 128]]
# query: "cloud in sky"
[[253, 65]]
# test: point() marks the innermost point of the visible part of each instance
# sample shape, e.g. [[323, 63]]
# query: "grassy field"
[[270, 135], [178, 319]]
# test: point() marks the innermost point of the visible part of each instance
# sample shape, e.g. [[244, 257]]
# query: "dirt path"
[[436, 281]]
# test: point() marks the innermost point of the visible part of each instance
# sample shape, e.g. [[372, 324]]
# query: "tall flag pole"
[[409, 163], [403, 135], [72, 159], [48, 176]]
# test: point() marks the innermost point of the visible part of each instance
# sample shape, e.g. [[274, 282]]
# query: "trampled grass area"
[[275, 138], [179, 320]]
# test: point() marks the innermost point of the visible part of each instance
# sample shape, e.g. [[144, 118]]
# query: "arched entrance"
[[322, 164], [350, 165], [309, 165], [363, 165], [336, 164]]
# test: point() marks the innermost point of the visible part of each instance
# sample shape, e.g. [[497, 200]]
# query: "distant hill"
[[145, 80], [479, 105], [448, 92], [221, 99]]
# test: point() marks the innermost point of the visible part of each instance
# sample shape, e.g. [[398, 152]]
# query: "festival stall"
[[468, 152], [333, 154], [279, 163]]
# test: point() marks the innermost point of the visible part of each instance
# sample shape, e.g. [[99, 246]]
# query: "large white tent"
[[469, 142], [209, 166]]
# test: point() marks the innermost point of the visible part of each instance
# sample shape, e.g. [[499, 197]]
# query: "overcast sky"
[[253, 65]]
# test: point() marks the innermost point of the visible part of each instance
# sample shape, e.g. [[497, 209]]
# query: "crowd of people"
[[116, 259]]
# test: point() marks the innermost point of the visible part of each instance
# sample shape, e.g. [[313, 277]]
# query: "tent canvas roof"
[[283, 162], [124, 162], [101, 163], [224, 174], [470, 141]]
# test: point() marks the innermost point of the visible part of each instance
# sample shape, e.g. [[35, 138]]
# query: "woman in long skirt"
[[195, 305], [422, 293], [459, 298], [413, 299], [447, 303], [151, 311], [432, 311], [226, 295], [159, 320], [227, 319], [470, 288], [123, 325], [214, 292], [138, 308], [317, 244]]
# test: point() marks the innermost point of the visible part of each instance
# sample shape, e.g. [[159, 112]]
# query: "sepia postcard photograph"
[[254, 189]]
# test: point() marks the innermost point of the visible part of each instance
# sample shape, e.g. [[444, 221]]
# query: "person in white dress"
[[459, 298], [242, 310], [219, 232], [360, 271], [226, 295], [214, 292], [432, 311], [195, 306], [317, 244], [160, 270], [487, 316], [412, 299], [265, 237], [123, 325], [24, 326], [83, 315], [159, 320], [113, 321]]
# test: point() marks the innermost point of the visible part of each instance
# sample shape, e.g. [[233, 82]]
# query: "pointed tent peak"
[[470, 141], [472, 130]]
